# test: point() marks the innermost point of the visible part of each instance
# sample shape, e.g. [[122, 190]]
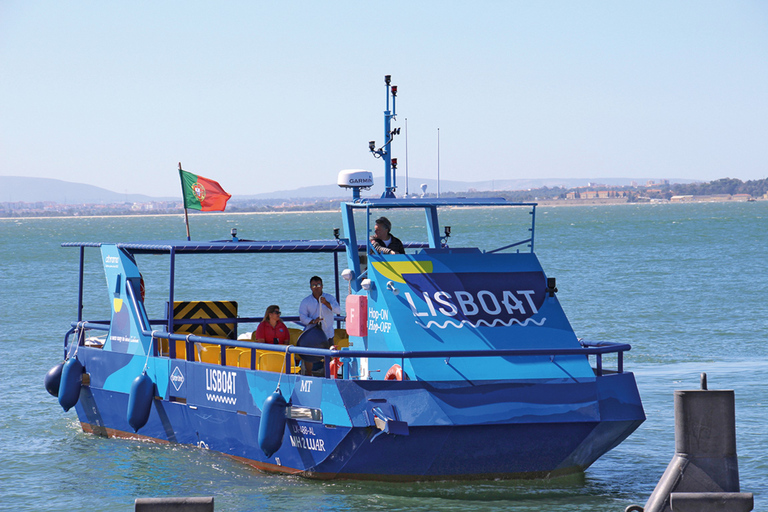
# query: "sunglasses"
[[277, 312], [317, 285]]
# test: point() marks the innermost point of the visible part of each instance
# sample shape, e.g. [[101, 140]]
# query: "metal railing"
[[597, 349]]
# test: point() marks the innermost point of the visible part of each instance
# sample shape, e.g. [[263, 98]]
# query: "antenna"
[[390, 164], [438, 163], [406, 157]]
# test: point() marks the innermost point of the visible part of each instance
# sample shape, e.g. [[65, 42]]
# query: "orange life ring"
[[395, 373], [335, 366]]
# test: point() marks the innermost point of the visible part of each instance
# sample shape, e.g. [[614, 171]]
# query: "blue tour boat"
[[452, 363]]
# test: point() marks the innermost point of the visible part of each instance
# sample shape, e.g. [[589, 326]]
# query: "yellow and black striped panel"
[[196, 309]]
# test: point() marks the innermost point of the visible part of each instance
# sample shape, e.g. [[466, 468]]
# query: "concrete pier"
[[704, 472]]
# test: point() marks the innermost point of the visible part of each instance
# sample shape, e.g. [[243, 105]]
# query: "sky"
[[264, 96]]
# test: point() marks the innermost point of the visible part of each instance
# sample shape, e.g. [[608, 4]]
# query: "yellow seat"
[[273, 362], [181, 349], [340, 338], [244, 359], [294, 333], [208, 353], [235, 354]]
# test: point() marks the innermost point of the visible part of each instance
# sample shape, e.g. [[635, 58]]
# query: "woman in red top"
[[272, 329]]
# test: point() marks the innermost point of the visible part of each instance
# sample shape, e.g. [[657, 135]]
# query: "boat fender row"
[[53, 379], [70, 383], [272, 424], [140, 401]]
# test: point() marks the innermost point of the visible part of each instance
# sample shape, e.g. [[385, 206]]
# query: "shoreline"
[[540, 203]]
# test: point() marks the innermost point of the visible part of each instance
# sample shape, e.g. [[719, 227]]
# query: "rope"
[[282, 369], [78, 334], [149, 350]]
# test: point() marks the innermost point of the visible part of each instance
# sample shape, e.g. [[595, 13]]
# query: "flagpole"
[[184, 200]]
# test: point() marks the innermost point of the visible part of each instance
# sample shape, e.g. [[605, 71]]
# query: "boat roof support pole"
[[433, 227], [170, 292], [353, 258], [533, 224], [336, 282], [80, 287]]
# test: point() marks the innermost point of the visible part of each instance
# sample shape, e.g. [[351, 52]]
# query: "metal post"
[[336, 280], [387, 148], [80, 289], [533, 225], [171, 343], [705, 464]]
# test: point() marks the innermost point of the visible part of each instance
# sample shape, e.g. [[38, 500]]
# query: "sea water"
[[685, 284]]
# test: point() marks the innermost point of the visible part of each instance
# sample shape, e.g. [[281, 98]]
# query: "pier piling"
[[704, 472]]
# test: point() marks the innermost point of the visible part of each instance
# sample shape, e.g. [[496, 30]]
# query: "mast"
[[390, 164]]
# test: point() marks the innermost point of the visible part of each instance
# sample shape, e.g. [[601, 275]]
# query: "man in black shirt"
[[382, 241]]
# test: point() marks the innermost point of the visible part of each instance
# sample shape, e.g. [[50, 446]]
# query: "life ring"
[[335, 366], [396, 373]]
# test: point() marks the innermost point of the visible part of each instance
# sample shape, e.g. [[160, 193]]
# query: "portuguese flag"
[[201, 193]]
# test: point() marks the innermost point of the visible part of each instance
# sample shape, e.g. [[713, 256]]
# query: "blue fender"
[[53, 379], [71, 381], [140, 401], [272, 424]]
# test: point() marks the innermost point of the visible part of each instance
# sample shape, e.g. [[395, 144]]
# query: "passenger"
[[318, 308], [382, 241], [272, 329]]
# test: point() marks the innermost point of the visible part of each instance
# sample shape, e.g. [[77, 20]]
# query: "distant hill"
[[30, 190]]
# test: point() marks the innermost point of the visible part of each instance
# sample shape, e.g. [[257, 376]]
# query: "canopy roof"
[[232, 246]]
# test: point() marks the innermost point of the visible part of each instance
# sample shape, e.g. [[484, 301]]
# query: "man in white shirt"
[[319, 308]]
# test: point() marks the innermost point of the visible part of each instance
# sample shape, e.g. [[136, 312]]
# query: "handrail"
[[237, 320], [521, 242], [587, 348]]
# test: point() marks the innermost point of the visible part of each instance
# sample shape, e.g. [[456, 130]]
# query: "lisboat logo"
[[220, 381], [475, 299], [177, 378]]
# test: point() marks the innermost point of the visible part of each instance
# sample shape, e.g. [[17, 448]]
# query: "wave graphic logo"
[[496, 322], [230, 400]]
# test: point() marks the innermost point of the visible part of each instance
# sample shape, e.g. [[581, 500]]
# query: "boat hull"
[[500, 429]]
